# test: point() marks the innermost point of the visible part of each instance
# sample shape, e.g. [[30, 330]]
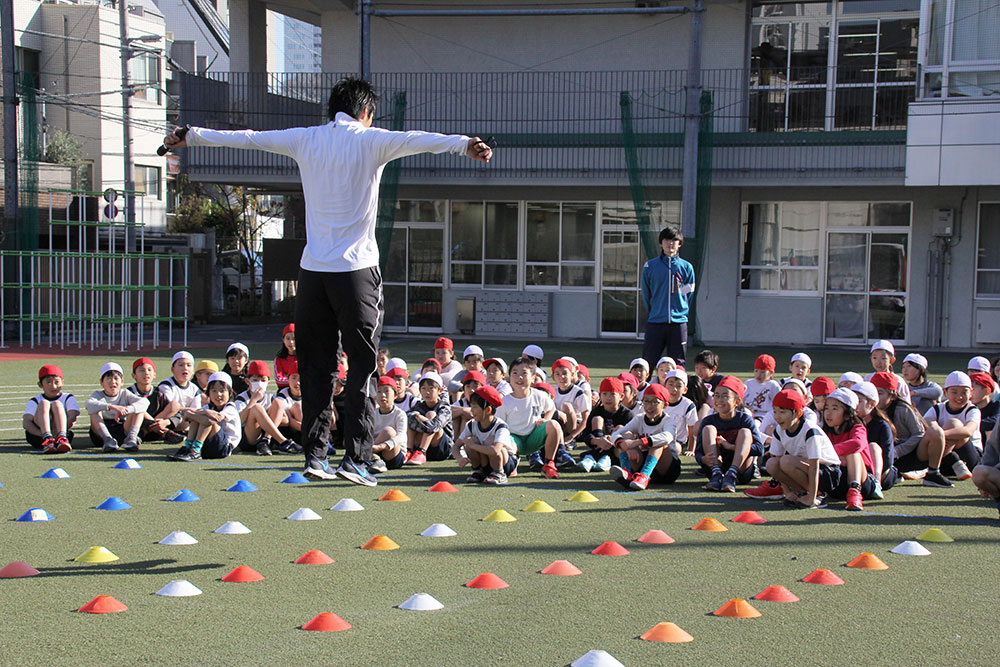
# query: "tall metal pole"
[[9, 118], [365, 38], [692, 121], [127, 127]]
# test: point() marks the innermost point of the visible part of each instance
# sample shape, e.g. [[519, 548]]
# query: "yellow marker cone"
[[934, 535], [539, 506], [582, 497], [96, 555], [499, 516]]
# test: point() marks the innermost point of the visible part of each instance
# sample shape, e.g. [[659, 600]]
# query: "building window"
[[988, 251], [414, 274], [960, 52], [780, 247], [559, 245], [484, 243], [147, 179], [146, 79]]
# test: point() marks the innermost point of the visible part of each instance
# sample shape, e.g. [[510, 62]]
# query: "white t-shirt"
[[503, 387], [406, 403], [243, 399], [68, 401], [286, 397], [188, 397], [683, 414], [520, 414], [759, 395], [450, 370], [497, 433], [942, 413], [99, 402], [229, 427], [396, 418], [660, 432], [809, 442], [575, 396]]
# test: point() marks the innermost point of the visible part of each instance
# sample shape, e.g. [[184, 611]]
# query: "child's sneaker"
[[621, 476], [173, 437], [604, 463], [563, 458], [185, 454], [110, 445], [407, 457], [418, 458], [289, 446], [377, 466], [49, 445], [729, 481], [768, 490], [478, 475], [535, 461], [496, 478], [62, 444], [130, 445], [587, 463], [914, 474], [854, 503], [877, 492], [715, 482], [935, 478], [549, 470], [961, 471], [638, 482]]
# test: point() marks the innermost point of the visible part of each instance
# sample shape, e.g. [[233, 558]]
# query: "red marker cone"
[[776, 594], [737, 608], [17, 569], [314, 557], [611, 549], [824, 577], [666, 632], [103, 604], [868, 561], [327, 622], [488, 580], [243, 574], [748, 517], [656, 537], [562, 568], [443, 487]]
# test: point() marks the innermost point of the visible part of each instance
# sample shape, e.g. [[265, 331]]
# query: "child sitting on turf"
[[215, 428], [607, 417], [924, 394], [528, 414], [849, 379], [802, 457], [155, 420], [461, 409], [382, 361], [663, 366], [850, 440], [472, 360], [286, 408], [681, 409], [444, 353], [496, 375], [762, 387], [115, 414], [182, 394], [640, 369], [252, 406], [986, 475], [401, 377], [697, 391], [52, 411], [583, 380], [820, 388], [237, 358], [706, 366], [883, 356], [572, 403], [630, 399], [286, 357], [728, 438], [800, 366], [983, 387], [918, 448], [647, 444], [487, 440], [959, 419], [880, 434], [389, 445], [202, 372], [429, 432]]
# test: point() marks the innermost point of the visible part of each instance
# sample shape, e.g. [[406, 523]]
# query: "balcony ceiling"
[[309, 10]]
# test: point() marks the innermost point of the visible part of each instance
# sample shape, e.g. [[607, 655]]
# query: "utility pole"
[[365, 39], [9, 119], [127, 127], [692, 123]]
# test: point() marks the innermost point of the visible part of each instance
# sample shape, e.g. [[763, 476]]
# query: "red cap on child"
[[628, 378], [884, 380], [613, 385], [584, 371], [386, 381], [983, 379], [258, 367], [289, 328], [140, 361], [765, 362], [735, 384], [822, 386], [397, 372], [49, 369], [789, 399], [474, 376], [434, 361], [562, 363], [443, 343], [490, 395], [657, 391], [545, 386]]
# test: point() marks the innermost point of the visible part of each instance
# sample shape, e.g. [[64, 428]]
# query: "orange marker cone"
[[656, 537], [709, 524], [824, 577], [17, 569], [737, 608], [776, 594], [666, 632], [443, 487], [380, 543], [611, 549], [488, 580], [103, 604], [314, 557], [327, 622], [242, 575], [562, 568], [748, 517], [395, 495], [867, 561]]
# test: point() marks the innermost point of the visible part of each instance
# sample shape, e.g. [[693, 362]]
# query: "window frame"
[[979, 225], [778, 267], [405, 226], [559, 263]]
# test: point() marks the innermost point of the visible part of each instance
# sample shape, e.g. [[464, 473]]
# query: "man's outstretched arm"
[[272, 141]]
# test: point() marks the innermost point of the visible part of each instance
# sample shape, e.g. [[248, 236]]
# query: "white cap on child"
[[797, 382], [866, 389], [980, 364], [916, 360], [639, 362], [499, 362], [111, 366], [541, 371], [884, 345], [958, 379], [571, 360], [664, 359], [433, 377], [803, 357], [238, 346], [220, 376], [183, 354], [395, 362], [852, 377], [472, 349], [534, 352], [679, 374], [845, 396]]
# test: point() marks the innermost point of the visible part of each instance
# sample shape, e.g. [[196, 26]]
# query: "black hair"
[[385, 351], [481, 402], [921, 370], [670, 233], [708, 358], [524, 360], [474, 357], [352, 96], [229, 389], [109, 373], [697, 391], [851, 420], [283, 352]]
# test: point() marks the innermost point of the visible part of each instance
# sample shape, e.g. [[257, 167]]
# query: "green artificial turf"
[[938, 609]]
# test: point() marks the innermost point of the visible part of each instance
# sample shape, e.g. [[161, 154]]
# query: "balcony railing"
[[568, 125]]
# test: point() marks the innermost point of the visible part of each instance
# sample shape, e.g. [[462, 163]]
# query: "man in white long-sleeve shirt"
[[340, 287]]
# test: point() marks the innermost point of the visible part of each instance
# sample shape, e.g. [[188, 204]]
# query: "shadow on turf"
[[139, 567]]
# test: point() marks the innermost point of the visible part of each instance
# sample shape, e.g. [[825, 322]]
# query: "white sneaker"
[[496, 478], [961, 471], [604, 463], [914, 474]]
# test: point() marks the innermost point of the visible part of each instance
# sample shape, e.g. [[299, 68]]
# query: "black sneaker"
[[535, 462], [935, 478], [289, 446], [377, 466], [715, 482], [478, 476], [355, 473], [185, 454], [621, 476], [173, 437], [263, 447], [564, 459]]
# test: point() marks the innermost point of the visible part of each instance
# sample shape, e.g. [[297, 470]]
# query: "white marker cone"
[[232, 528], [596, 659], [910, 548], [179, 588], [438, 530], [421, 602], [177, 538], [304, 514], [347, 505]]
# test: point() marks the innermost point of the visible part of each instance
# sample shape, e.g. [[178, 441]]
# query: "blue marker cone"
[[183, 496], [114, 503], [242, 486], [128, 464], [55, 473], [295, 478], [36, 514]]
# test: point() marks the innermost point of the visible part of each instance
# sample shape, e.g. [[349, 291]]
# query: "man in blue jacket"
[[667, 286]]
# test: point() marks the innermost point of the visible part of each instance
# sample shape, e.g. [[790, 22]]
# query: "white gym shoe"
[[961, 471]]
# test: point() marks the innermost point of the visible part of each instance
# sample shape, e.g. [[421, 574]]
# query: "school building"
[[848, 164]]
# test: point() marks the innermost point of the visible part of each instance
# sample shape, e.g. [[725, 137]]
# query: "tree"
[[61, 147]]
